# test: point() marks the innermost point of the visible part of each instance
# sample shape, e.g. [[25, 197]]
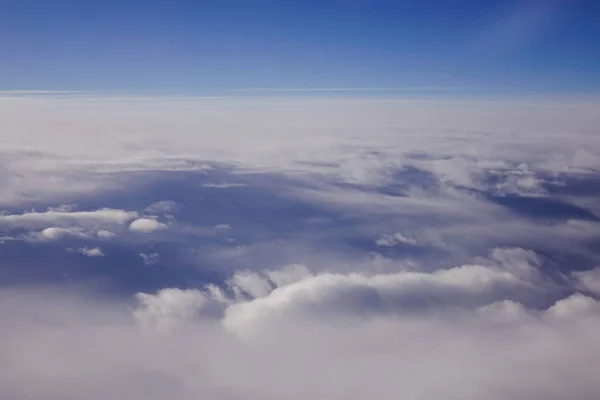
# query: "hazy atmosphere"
[[300, 200]]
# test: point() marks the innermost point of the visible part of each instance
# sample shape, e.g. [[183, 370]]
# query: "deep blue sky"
[[210, 47]]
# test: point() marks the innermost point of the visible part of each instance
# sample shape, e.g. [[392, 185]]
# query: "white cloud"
[[65, 218], [56, 233], [168, 307], [62, 222], [249, 284], [222, 228], [261, 299], [590, 280], [384, 329], [149, 259], [146, 225], [164, 206], [91, 252], [574, 306], [396, 239], [104, 234], [288, 274], [322, 336], [468, 286], [331, 142], [224, 185], [63, 208]]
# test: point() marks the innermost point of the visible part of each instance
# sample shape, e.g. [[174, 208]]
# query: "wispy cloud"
[[351, 89], [40, 92]]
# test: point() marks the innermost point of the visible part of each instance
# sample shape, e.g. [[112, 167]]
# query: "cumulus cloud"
[[344, 334], [56, 233], [146, 225], [91, 252], [467, 286], [257, 299]]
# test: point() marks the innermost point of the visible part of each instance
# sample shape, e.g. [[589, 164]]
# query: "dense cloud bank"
[[473, 331], [293, 249]]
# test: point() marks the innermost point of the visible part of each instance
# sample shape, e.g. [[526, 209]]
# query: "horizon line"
[[351, 89]]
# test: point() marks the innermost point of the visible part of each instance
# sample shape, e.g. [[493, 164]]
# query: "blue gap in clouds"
[[259, 217], [253, 212]]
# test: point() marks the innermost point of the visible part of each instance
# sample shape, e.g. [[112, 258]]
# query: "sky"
[[220, 47], [299, 200]]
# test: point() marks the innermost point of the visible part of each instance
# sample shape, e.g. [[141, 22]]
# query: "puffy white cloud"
[[259, 300], [468, 286], [146, 225], [91, 252], [56, 233], [575, 306], [175, 348]]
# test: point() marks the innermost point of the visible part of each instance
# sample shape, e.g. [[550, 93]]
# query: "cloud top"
[[146, 225]]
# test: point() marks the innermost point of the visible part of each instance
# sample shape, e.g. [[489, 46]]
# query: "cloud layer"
[[299, 248], [290, 334]]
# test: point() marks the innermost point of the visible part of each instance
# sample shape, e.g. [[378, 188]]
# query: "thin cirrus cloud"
[[40, 92], [351, 89]]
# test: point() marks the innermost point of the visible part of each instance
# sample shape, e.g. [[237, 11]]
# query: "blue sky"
[[214, 47]]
